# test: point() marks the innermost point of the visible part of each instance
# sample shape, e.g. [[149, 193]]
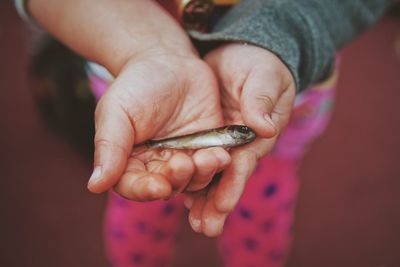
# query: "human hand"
[[257, 90], [157, 95], [162, 89]]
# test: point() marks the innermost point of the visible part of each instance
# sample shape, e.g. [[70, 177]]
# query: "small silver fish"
[[227, 136]]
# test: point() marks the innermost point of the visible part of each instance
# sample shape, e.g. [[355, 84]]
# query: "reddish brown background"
[[349, 206]]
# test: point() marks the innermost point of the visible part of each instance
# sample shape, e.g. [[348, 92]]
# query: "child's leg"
[[141, 234], [259, 232]]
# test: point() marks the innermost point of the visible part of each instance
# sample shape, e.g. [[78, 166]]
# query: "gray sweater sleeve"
[[305, 34]]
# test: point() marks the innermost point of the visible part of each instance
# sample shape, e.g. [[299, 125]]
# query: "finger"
[[260, 94], [235, 176], [212, 222], [178, 170], [113, 142], [196, 212], [208, 162], [283, 108], [233, 180], [139, 184]]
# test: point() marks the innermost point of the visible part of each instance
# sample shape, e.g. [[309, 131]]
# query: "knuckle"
[[266, 100]]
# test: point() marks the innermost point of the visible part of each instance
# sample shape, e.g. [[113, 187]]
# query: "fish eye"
[[243, 129]]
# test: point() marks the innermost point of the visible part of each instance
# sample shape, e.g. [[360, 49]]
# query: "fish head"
[[242, 134]]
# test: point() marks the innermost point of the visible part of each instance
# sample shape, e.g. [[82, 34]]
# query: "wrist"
[[112, 32], [149, 47]]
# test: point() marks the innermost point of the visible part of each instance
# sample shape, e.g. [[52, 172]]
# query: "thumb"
[[113, 144], [260, 94]]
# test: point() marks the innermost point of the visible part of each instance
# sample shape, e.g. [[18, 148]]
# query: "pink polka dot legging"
[[259, 231]]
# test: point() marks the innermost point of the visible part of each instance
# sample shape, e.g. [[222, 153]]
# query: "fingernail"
[[214, 226], [188, 202], [269, 120], [195, 223], [96, 175]]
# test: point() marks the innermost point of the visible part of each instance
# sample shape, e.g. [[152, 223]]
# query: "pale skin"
[[255, 87], [162, 89]]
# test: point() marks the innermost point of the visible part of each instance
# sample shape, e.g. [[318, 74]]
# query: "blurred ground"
[[349, 206]]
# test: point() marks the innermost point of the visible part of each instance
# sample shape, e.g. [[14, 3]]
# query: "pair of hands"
[[162, 89], [159, 95]]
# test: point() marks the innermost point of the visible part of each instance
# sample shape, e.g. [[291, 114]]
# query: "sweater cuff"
[[280, 28]]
